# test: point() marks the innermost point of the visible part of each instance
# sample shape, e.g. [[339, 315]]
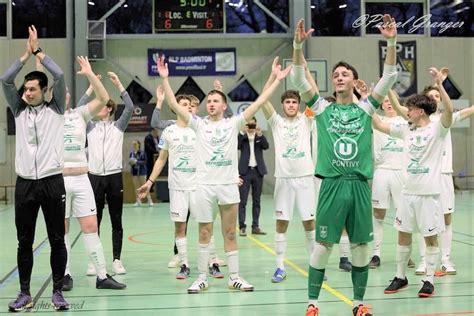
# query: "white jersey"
[[447, 163], [389, 152], [425, 147], [217, 149], [75, 124], [180, 142], [292, 140]]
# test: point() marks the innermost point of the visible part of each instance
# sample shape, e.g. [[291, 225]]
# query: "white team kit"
[[447, 185], [180, 142], [217, 164], [80, 201], [420, 209], [294, 167], [389, 161]]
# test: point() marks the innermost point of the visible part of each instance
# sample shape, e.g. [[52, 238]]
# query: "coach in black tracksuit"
[[251, 144]]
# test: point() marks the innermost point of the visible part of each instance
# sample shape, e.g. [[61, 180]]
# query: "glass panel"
[[3, 19], [48, 16], [408, 16], [335, 18], [133, 17], [244, 16], [452, 18]]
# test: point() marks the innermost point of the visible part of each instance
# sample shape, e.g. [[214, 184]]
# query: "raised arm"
[[379, 125], [170, 98], [156, 121], [253, 108], [389, 74], [122, 122], [447, 115], [400, 109], [267, 107], [465, 113], [101, 95], [298, 77], [157, 168]]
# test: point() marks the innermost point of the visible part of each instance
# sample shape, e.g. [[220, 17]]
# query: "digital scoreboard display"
[[189, 16]]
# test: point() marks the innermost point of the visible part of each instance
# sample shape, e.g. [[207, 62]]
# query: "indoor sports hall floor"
[[153, 290]]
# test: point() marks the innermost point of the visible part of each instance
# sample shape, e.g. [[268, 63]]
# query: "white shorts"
[[181, 202], [80, 201], [208, 197], [420, 213], [291, 191], [387, 187], [447, 193]]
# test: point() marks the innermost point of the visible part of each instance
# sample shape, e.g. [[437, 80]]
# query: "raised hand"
[[281, 74], [444, 73], [114, 78], [275, 66], [162, 67], [217, 85], [362, 88], [437, 75], [389, 27], [33, 39], [300, 34], [86, 68], [160, 94]]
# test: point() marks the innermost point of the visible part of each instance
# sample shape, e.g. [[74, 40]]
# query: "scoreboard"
[[188, 16]]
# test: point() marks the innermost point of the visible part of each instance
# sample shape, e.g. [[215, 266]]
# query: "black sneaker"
[[374, 262], [67, 283], [426, 290], [215, 272], [361, 310], [345, 264], [109, 283], [395, 285]]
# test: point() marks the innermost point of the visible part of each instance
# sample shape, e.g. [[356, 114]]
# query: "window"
[[408, 16], [133, 17], [452, 18], [48, 16], [335, 17], [3, 19], [244, 16]]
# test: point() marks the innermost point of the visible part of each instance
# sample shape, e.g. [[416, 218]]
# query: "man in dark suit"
[[252, 168], [151, 148]]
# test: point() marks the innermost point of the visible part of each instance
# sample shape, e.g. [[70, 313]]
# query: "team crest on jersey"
[[323, 231], [345, 148]]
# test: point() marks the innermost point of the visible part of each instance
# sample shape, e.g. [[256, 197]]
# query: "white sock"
[[94, 248], [181, 244], [432, 255], [356, 303], [445, 240], [233, 263], [403, 255], [212, 251], [344, 246], [313, 302], [68, 249], [421, 247], [203, 258], [310, 241], [378, 235], [319, 258], [280, 249]]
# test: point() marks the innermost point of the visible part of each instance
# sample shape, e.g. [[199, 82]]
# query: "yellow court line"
[[302, 271]]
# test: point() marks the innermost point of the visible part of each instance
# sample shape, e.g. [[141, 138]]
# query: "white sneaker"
[[421, 268], [240, 284], [174, 262], [150, 203], [198, 286], [91, 269], [448, 268], [137, 204], [117, 267]]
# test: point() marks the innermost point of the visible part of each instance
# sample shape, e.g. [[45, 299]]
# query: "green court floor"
[[153, 290]]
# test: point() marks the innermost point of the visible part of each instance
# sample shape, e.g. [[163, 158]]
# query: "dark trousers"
[[251, 179], [110, 188], [49, 194]]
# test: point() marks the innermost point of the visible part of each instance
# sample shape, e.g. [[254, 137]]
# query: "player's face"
[[290, 107], [103, 114], [215, 105], [387, 107], [434, 95], [193, 107], [414, 114], [342, 79], [33, 94], [185, 104]]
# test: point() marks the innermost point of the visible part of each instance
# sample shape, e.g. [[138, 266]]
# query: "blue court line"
[[14, 272]]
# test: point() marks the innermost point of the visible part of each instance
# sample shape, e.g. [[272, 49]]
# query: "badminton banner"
[[195, 62], [406, 65]]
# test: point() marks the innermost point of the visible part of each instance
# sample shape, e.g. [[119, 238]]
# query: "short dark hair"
[[422, 101], [219, 93], [348, 66], [113, 105], [291, 94], [37, 75]]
